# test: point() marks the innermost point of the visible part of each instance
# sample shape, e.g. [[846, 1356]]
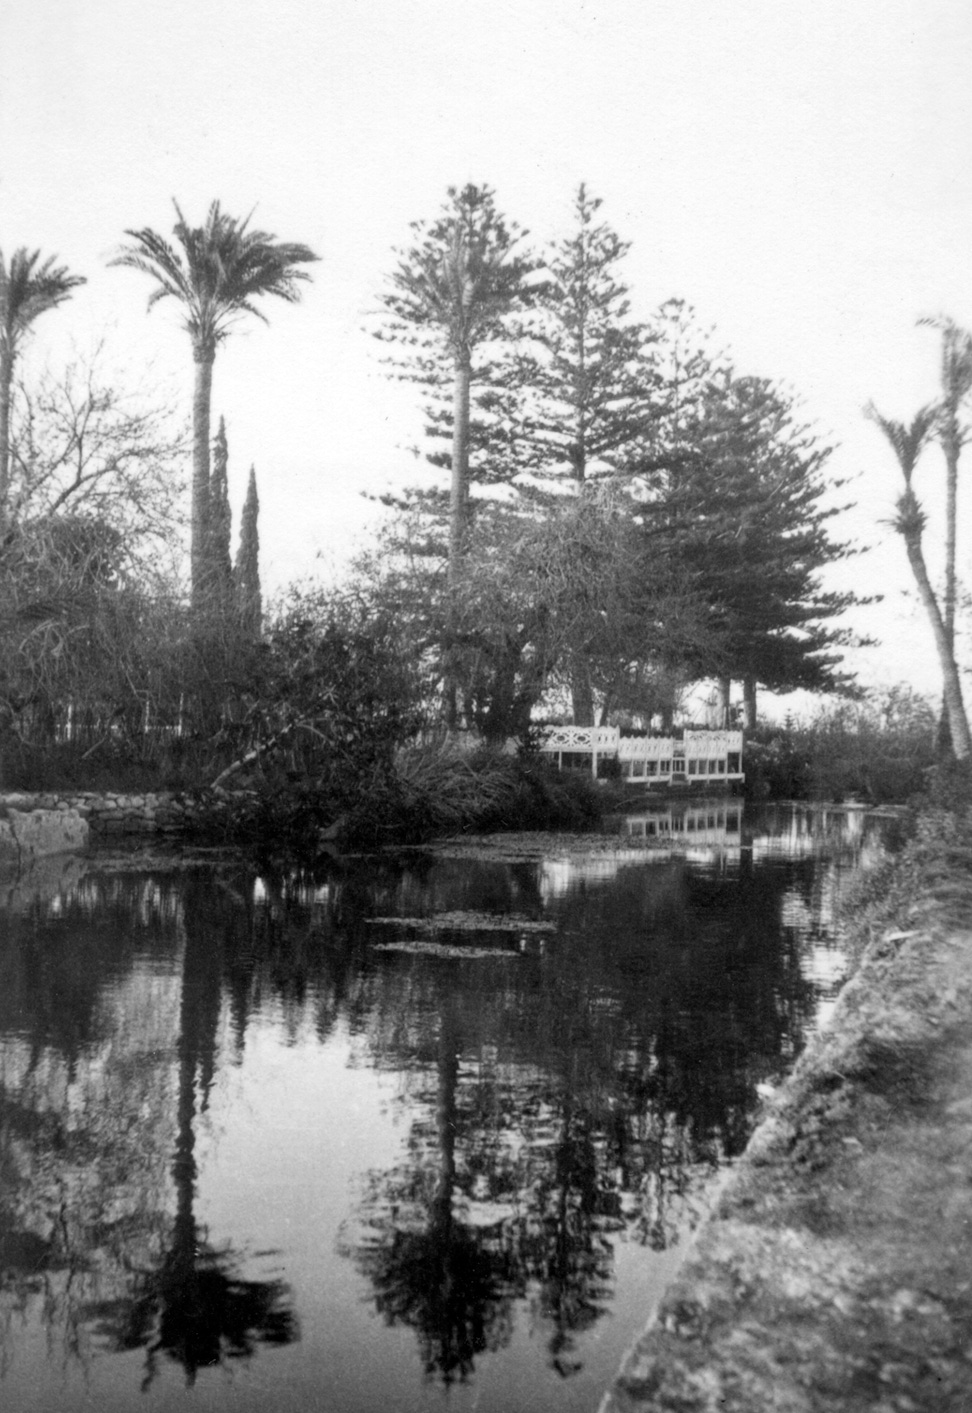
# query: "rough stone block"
[[43, 832]]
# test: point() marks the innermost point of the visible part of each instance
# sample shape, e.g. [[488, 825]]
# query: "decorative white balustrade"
[[603, 739], [645, 758]]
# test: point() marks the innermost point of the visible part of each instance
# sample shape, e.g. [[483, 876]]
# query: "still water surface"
[[415, 1135]]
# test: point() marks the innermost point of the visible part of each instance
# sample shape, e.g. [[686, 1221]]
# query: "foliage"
[[928, 871], [69, 620], [585, 368], [220, 522], [99, 675], [539, 595], [327, 701], [449, 312], [29, 286], [577, 591], [725, 483], [218, 273], [741, 508], [246, 570], [907, 442], [879, 750], [82, 445], [956, 384], [441, 790]]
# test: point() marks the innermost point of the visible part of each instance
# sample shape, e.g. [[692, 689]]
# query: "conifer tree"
[[220, 522], [451, 300], [586, 369], [246, 574], [743, 517]]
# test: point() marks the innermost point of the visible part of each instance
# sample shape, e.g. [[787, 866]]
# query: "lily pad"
[[467, 922], [443, 949]]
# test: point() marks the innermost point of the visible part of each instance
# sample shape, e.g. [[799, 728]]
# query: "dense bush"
[[880, 749], [432, 791]]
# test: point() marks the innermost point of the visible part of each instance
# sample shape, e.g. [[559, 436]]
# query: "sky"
[[797, 170]]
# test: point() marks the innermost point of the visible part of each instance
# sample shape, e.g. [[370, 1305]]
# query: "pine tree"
[[246, 574], [743, 519], [452, 298], [220, 523], [586, 368]]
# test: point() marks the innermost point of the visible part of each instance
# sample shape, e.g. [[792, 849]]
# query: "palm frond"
[[29, 287], [907, 440], [218, 270], [956, 358]]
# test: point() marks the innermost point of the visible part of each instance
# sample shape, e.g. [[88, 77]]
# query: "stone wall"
[[27, 834], [102, 815]]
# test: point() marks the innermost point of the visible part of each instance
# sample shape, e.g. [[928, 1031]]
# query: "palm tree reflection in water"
[[193, 1307]]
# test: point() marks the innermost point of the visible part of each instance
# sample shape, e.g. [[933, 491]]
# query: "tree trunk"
[[6, 387], [458, 504], [749, 703], [952, 686], [459, 487], [581, 694], [952, 448], [951, 445], [724, 691], [199, 537]]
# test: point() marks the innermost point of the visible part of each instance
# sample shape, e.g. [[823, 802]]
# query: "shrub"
[[880, 750]]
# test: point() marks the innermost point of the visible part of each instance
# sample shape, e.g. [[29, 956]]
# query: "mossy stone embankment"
[[38, 833], [835, 1274]]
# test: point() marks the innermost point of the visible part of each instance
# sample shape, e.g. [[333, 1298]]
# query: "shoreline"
[[831, 1275]]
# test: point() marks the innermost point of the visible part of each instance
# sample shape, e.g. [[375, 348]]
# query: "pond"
[[425, 1131]]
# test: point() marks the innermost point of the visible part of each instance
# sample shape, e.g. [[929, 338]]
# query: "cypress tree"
[[219, 529], [249, 600]]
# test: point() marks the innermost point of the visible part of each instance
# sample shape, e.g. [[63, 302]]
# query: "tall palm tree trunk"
[[199, 538], [6, 388], [952, 448], [952, 686], [952, 452]]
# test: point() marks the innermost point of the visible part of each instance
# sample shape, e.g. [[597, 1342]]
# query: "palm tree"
[[28, 287], [907, 443], [216, 274], [956, 381]]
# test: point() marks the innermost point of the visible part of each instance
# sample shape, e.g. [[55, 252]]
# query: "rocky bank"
[[835, 1273]]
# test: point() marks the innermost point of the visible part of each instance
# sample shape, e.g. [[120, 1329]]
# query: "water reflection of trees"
[[593, 1089], [582, 1087], [87, 1111], [193, 1306]]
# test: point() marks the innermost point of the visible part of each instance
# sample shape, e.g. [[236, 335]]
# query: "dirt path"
[[836, 1273]]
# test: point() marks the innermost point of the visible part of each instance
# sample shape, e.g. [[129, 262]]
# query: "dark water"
[[262, 1151]]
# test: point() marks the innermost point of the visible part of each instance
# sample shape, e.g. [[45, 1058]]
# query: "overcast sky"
[[798, 170]]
